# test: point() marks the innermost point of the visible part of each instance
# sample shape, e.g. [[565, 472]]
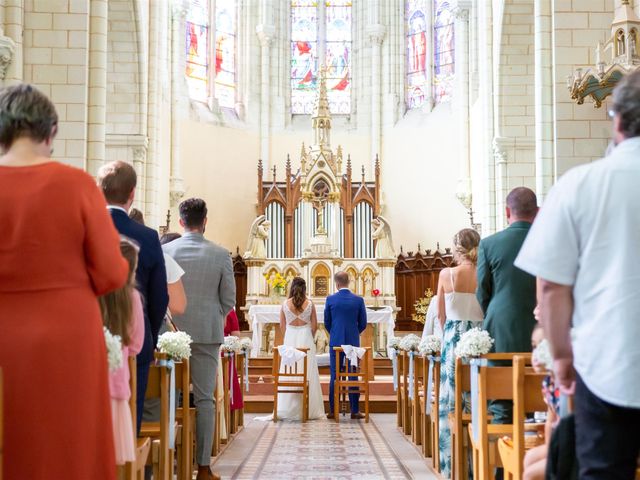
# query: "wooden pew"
[[435, 414], [241, 358], [404, 394], [458, 421], [425, 409], [1, 422], [159, 386], [417, 413], [135, 470], [226, 384], [399, 361], [527, 398], [489, 383], [186, 418], [218, 400]]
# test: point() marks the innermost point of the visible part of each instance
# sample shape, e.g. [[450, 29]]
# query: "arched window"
[[443, 50], [429, 28], [200, 48], [320, 35]]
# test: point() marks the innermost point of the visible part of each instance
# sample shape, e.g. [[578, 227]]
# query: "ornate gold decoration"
[[421, 307]]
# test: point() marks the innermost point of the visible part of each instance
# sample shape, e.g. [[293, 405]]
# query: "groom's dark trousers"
[[345, 318]]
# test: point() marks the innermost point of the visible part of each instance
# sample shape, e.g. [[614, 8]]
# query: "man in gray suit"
[[211, 294]]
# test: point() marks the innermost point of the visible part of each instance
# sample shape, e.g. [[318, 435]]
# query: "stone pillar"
[[376, 34], [500, 145], [265, 34], [461, 12], [178, 93], [11, 40], [543, 27]]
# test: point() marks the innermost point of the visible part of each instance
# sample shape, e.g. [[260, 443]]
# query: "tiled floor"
[[323, 449]]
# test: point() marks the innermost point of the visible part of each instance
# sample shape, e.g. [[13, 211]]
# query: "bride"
[[299, 322]]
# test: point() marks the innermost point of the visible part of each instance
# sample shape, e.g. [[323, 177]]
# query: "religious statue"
[[352, 282], [289, 278], [257, 244], [321, 340], [384, 241], [320, 194], [367, 280], [271, 340]]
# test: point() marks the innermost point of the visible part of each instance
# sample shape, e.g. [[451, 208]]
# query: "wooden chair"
[[417, 413], [135, 470], [350, 379], [425, 408], [489, 383], [434, 418], [293, 380], [404, 394], [527, 398], [158, 386], [186, 418]]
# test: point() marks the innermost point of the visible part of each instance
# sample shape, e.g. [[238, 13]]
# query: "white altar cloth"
[[262, 314]]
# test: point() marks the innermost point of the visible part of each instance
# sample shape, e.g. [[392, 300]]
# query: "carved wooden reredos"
[[289, 192]]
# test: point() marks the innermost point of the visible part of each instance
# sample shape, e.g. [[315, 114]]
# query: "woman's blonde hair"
[[465, 244], [117, 306]]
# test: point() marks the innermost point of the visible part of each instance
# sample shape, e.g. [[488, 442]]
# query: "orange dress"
[[58, 251]]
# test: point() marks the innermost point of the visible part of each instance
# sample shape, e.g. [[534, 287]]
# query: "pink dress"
[[120, 390]]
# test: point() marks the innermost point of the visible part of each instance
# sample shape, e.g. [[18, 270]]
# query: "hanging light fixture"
[[616, 58]]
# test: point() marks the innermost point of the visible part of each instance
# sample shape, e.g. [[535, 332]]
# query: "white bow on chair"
[[353, 353], [290, 355]]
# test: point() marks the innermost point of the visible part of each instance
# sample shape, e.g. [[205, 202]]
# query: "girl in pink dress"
[[122, 314]]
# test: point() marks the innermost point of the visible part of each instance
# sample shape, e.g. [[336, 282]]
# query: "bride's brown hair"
[[298, 293]]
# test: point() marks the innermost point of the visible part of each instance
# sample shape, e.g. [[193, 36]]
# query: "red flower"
[[375, 292]]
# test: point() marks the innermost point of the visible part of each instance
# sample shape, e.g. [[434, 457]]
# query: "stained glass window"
[[197, 46], [305, 15], [226, 53], [444, 50], [338, 55], [417, 88], [304, 54]]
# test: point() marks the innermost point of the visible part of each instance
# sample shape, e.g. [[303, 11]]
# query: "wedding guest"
[[507, 294], [59, 252], [169, 237], [584, 246], [211, 294], [232, 327], [118, 183], [122, 314], [458, 312], [136, 215], [431, 322]]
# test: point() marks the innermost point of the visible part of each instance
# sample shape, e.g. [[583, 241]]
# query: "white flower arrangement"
[[542, 355], [176, 345], [430, 345], [410, 343], [246, 344], [231, 344], [474, 343], [114, 349], [393, 342]]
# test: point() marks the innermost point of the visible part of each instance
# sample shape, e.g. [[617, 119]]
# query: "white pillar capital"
[[376, 33], [265, 34], [7, 49]]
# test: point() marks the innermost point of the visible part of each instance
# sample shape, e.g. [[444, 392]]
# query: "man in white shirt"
[[585, 248]]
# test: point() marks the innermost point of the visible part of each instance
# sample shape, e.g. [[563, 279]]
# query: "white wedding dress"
[[289, 406]]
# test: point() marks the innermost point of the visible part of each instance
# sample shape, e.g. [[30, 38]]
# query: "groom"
[[345, 318]]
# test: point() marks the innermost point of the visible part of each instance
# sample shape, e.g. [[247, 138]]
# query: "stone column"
[[97, 105], [500, 146], [376, 34], [265, 35], [178, 93], [543, 11], [11, 40], [461, 12]]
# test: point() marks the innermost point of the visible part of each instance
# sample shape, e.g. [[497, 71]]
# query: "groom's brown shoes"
[[330, 416], [357, 416]]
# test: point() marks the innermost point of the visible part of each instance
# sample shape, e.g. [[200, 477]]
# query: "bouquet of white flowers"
[[176, 345], [410, 343], [231, 344], [393, 342], [430, 345], [474, 343], [246, 344], [114, 349], [542, 355]]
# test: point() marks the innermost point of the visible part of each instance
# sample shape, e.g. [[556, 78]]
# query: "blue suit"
[[151, 280], [345, 318]]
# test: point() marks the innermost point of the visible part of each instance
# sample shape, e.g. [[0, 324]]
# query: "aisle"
[[323, 449]]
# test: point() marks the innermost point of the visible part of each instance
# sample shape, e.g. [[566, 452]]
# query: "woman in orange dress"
[[60, 251]]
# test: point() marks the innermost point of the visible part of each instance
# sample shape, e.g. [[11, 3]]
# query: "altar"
[[261, 316]]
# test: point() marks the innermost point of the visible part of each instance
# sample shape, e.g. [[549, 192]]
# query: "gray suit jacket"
[[209, 284]]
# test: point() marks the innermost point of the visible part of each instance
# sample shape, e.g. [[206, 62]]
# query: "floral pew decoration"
[[393, 345], [114, 349], [473, 344], [430, 347], [245, 346], [410, 344]]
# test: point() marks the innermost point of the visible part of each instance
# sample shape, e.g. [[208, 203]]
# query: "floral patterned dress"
[[463, 312]]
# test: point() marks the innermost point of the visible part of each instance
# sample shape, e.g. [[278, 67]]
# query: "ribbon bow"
[[353, 353], [289, 355]]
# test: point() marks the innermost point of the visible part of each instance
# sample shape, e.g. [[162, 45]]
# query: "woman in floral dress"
[[458, 312]]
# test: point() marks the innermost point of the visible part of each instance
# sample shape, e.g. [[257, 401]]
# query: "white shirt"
[[174, 271], [587, 235], [431, 321]]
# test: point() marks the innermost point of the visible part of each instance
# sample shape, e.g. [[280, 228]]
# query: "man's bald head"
[[341, 279], [522, 205]]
